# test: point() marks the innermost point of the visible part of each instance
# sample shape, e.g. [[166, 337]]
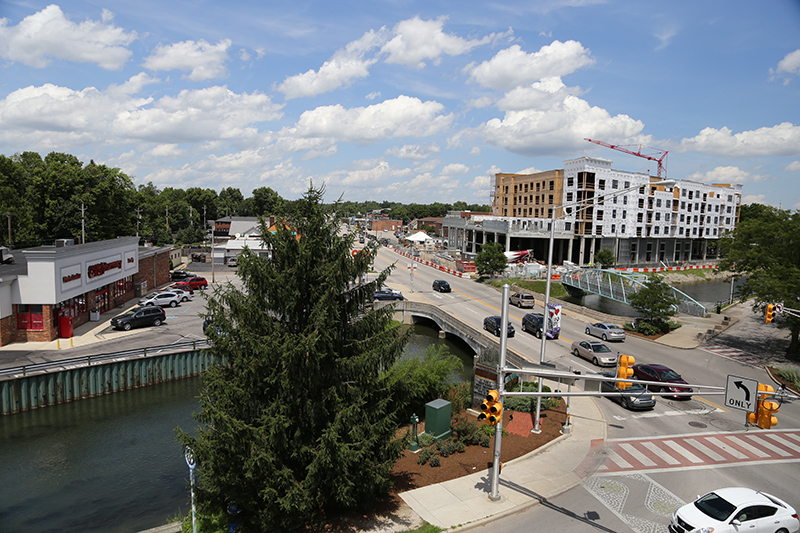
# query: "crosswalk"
[[735, 354], [700, 450]]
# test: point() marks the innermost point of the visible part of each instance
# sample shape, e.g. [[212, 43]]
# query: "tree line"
[[60, 197]]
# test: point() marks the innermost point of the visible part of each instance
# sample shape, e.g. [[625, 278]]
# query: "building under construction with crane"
[[643, 219]]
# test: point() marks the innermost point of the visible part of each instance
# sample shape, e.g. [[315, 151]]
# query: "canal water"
[[112, 464], [707, 293]]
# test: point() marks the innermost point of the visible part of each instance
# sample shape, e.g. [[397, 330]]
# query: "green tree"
[[605, 257], [298, 411], [765, 247], [267, 202], [655, 301], [491, 260]]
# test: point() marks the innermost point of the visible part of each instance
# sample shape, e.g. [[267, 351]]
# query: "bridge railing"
[[89, 360]]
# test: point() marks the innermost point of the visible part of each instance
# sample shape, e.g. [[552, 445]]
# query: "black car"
[[441, 285], [385, 293], [636, 396], [492, 325], [180, 275], [139, 316], [534, 323]]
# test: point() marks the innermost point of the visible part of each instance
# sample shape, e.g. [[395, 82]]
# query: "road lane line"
[[702, 448], [636, 454], [760, 441], [667, 458], [620, 462], [683, 451], [783, 442], [758, 452], [726, 448]]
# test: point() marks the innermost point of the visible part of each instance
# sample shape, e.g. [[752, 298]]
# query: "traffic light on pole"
[[770, 313], [624, 370], [491, 409], [766, 409]]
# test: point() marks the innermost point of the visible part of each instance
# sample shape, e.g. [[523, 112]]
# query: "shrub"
[[646, 328], [466, 430], [487, 430], [460, 447], [435, 461], [424, 455], [426, 439], [484, 441], [674, 324]]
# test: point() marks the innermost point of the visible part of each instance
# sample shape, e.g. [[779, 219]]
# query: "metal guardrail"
[[90, 360]]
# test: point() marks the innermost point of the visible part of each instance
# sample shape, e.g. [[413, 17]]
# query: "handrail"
[[90, 360]]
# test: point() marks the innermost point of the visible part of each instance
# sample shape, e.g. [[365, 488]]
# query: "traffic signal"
[[770, 312], [624, 370], [491, 409], [765, 409]]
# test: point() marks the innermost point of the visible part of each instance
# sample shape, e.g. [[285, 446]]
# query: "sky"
[[401, 100]]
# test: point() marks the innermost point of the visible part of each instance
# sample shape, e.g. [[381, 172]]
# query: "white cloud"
[[728, 174], [400, 117], [548, 119], [529, 170], [753, 199], [416, 41], [339, 71], [513, 67], [790, 64], [455, 168], [165, 150], [413, 151], [665, 38], [782, 139], [202, 60], [53, 114], [794, 166], [48, 35], [373, 95]]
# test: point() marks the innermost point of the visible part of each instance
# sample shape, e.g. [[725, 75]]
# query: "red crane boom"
[[662, 160]]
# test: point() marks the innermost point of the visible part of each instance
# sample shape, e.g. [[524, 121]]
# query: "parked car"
[[139, 316], [735, 509], [522, 300], [492, 325], [595, 351], [185, 296], [183, 286], [441, 285], [606, 331], [534, 323], [633, 397], [233, 262], [663, 374], [180, 275], [161, 299], [385, 293], [197, 282]]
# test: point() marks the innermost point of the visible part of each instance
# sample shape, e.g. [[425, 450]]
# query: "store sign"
[[71, 277], [98, 269]]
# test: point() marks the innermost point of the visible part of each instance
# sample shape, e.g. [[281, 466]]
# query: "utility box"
[[437, 418]]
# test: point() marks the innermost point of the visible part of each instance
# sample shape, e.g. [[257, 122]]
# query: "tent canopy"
[[420, 236]]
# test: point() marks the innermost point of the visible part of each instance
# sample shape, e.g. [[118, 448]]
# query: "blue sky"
[[402, 100]]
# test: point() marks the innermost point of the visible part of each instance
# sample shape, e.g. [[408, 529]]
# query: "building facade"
[[595, 207]]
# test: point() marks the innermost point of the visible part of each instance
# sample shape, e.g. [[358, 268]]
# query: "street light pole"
[[545, 314], [189, 456]]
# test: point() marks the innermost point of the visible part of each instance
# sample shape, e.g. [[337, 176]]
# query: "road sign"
[[740, 393], [779, 308]]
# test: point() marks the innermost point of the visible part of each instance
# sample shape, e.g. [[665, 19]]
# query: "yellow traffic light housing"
[[491, 409], [624, 370], [770, 313], [764, 416]]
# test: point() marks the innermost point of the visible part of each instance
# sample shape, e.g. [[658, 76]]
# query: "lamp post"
[[189, 455], [553, 219]]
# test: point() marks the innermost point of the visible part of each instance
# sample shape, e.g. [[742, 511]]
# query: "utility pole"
[[138, 219], [8, 216], [167, 219], [83, 225]]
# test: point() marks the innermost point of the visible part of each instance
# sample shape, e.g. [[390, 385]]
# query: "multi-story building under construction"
[[595, 207]]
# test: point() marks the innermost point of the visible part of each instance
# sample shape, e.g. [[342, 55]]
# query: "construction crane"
[[659, 156]]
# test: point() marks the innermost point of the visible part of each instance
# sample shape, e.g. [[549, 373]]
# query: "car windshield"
[[715, 507], [668, 375], [599, 348], [613, 326], [127, 314]]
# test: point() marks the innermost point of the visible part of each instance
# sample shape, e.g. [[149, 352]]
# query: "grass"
[[538, 286], [791, 375]]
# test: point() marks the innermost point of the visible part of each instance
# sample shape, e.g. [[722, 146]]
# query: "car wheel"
[[524, 328], [538, 334], [126, 326], [575, 352], [595, 362], [629, 404], [587, 331], [157, 322], [604, 337], [173, 303], [149, 304]]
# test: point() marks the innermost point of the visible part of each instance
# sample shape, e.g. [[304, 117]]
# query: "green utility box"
[[437, 418]]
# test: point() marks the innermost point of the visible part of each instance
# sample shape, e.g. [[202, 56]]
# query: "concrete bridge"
[[619, 286]]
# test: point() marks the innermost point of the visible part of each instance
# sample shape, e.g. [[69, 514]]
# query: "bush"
[[460, 447], [435, 461], [465, 430], [424, 455], [426, 439], [646, 328], [484, 441]]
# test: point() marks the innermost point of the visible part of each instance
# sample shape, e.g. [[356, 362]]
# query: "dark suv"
[[139, 316], [441, 285], [180, 275], [534, 323]]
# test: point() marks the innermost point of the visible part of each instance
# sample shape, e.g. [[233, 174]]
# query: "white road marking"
[[667, 458], [779, 451], [639, 456], [705, 449], [683, 451], [749, 447], [727, 449]]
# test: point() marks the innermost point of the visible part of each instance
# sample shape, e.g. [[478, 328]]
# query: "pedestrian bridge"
[[619, 286]]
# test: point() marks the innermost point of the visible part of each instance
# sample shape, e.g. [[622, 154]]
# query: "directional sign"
[[740, 393], [779, 308]]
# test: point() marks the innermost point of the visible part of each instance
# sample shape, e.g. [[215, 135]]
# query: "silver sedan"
[[595, 351], [606, 331]]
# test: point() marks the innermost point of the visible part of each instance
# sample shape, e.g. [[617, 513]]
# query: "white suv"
[[161, 299]]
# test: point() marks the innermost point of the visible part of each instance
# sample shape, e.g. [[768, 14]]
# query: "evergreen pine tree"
[[298, 417]]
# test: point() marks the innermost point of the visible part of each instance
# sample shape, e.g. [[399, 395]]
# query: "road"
[[655, 460]]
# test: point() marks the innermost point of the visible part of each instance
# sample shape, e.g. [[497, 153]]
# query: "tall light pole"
[[189, 456], [553, 219]]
